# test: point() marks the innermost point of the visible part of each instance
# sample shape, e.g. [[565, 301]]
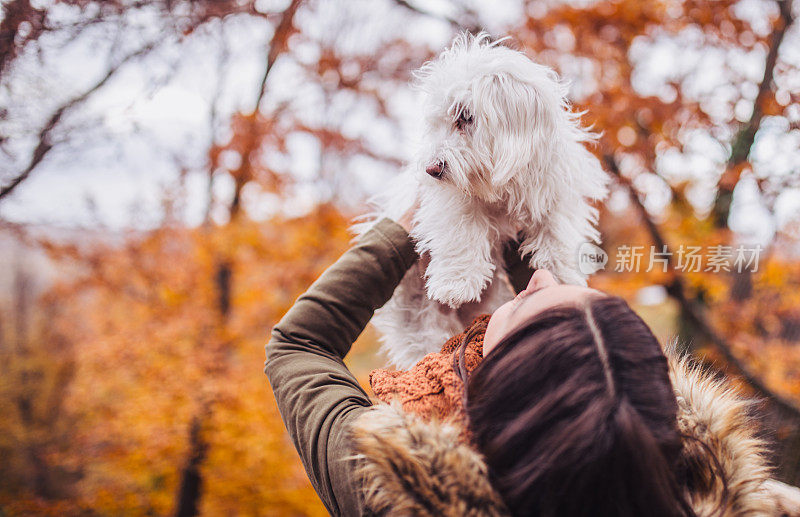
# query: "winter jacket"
[[366, 459]]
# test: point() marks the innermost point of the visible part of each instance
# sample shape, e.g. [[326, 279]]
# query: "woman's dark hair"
[[575, 414]]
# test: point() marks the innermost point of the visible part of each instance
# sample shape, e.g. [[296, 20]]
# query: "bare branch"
[[278, 44], [743, 141], [46, 134], [469, 24], [452, 21], [689, 307], [224, 54], [15, 14], [283, 30]]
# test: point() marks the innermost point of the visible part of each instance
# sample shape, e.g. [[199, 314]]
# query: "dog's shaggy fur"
[[415, 467], [505, 158]]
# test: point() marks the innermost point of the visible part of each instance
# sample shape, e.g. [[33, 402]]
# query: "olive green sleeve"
[[317, 396]]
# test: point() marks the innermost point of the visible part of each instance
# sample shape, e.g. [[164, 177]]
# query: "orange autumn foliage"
[[150, 348], [146, 333]]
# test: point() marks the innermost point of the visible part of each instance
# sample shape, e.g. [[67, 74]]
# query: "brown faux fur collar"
[[417, 468]]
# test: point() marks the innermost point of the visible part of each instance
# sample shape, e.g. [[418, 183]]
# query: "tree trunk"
[[223, 279], [191, 487], [787, 453]]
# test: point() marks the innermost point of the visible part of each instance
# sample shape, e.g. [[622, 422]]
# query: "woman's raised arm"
[[317, 395]]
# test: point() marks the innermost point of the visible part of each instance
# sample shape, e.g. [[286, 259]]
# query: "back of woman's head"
[[575, 415]]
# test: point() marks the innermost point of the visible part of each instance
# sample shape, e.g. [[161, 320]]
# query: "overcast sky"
[[129, 143]]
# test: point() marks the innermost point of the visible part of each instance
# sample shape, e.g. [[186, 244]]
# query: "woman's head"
[[573, 408], [542, 292]]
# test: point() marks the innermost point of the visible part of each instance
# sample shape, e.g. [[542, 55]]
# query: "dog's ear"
[[522, 117]]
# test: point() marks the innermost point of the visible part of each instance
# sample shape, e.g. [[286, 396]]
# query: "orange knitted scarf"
[[432, 388]]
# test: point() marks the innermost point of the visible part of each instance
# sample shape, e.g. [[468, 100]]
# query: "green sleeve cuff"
[[398, 238]]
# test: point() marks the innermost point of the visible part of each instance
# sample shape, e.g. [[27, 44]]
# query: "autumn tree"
[[644, 125], [133, 383]]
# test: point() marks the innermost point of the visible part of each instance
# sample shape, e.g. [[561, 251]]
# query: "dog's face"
[[493, 118]]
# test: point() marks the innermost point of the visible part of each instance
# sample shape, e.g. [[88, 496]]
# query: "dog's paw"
[[456, 293]]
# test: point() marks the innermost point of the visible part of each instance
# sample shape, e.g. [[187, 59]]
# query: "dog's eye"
[[464, 119]]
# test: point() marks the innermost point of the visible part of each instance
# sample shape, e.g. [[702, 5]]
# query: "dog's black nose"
[[436, 170]]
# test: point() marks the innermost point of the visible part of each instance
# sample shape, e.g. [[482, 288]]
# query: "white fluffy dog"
[[502, 156]]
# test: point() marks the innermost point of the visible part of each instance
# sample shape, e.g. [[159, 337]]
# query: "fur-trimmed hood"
[[420, 468]]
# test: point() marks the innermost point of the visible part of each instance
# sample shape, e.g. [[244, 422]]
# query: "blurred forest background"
[[173, 173]]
